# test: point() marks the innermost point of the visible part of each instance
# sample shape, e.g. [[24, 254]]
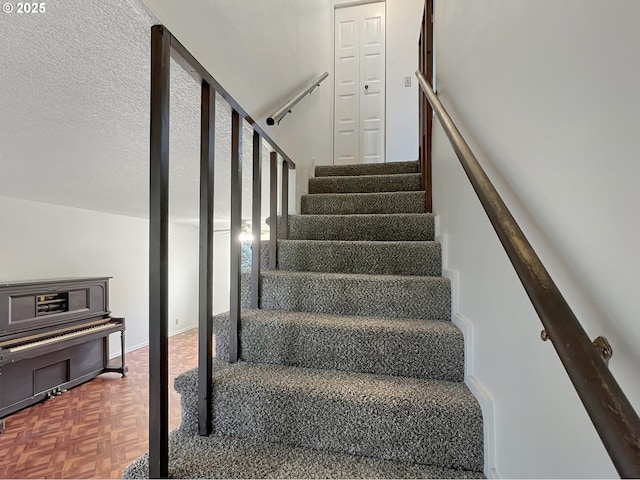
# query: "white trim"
[[332, 73], [183, 329], [479, 390], [355, 3], [146, 344]]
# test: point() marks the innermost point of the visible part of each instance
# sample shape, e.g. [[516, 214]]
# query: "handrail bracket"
[[604, 348], [601, 343]]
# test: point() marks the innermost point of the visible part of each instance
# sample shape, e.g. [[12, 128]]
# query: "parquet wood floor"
[[95, 429]]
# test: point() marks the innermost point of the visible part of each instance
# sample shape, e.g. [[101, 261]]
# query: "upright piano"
[[54, 335]]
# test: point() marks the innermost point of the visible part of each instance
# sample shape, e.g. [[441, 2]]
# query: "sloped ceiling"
[[74, 103]]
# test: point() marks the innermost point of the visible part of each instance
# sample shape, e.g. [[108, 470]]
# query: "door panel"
[[359, 119], [347, 105]]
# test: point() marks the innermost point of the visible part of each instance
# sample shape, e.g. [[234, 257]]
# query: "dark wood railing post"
[[273, 210], [256, 220], [425, 57], [236, 226], [285, 200], [158, 255], [428, 111], [164, 45], [421, 102], [205, 278]]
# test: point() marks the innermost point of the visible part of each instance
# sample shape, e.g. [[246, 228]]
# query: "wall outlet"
[[177, 321], [407, 81]]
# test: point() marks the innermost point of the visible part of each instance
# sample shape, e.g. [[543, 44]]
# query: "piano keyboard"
[[60, 338]]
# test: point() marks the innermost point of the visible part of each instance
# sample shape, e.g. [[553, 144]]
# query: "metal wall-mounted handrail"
[[612, 414], [286, 107], [187, 61], [163, 47]]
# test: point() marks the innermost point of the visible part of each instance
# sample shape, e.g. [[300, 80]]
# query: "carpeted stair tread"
[[366, 257], [378, 227], [367, 169], [351, 368], [404, 347], [193, 456], [395, 418], [352, 203], [399, 182], [353, 294]]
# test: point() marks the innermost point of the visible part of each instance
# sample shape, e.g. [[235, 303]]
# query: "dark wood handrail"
[[286, 107], [612, 414], [163, 46]]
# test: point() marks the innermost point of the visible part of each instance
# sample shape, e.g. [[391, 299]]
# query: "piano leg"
[[122, 369], [122, 343]]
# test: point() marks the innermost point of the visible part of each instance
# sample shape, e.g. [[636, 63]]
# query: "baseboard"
[[146, 344], [482, 394], [184, 329]]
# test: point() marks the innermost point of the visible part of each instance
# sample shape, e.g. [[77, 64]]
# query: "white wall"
[[547, 98], [221, 271], [42, 241], [403, 20], [261, 52]]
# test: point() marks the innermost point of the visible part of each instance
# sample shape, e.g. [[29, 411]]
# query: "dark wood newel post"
[[236, 224], [205, 275], [158, 255]]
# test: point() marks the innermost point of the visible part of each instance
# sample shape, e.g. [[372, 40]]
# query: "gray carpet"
[[192, 456], [367, 169], [365, 183], [404, 347], [414, 420], [352, 294], [351, 368], [350, 203], [380, 227], [366, 257]]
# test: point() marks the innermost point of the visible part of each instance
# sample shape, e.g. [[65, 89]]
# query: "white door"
[[359, 118]]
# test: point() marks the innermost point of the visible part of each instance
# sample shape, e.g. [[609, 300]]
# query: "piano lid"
[[27, 306], [21, 283]]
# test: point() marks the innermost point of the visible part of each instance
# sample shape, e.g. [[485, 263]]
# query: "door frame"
[[340, 4]]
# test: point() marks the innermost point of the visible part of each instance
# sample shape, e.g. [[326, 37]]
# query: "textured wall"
[[521, 81], [261, 52]]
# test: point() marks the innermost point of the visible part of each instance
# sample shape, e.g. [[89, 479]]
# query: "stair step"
[[349, 294], [351, 203], [366, 257], [377, 227], [228, 457], [367, 169], [365, 183], [403, 347], [394, 418]]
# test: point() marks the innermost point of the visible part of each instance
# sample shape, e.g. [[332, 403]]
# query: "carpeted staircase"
[[351, 368]]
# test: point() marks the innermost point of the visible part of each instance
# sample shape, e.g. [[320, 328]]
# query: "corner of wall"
[[479, 390]]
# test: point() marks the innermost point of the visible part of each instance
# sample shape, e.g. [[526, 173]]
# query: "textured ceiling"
[[74, 127]]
